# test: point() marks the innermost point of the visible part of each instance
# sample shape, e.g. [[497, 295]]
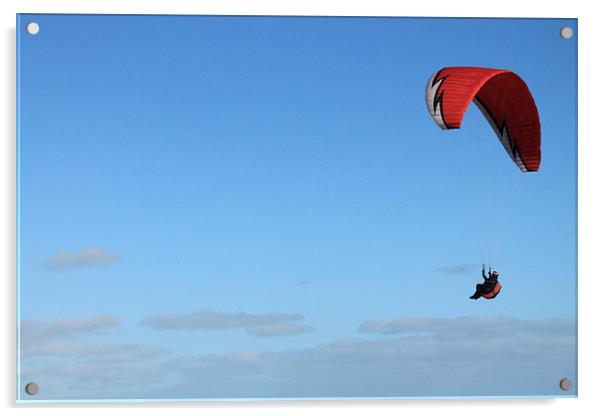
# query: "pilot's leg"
[[477, 293]]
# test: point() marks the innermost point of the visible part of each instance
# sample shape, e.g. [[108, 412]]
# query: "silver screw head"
[[32, 389], [566, 32], [566, 384]]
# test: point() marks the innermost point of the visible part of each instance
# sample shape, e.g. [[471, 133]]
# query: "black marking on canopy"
[[438, 98], [499, 130]]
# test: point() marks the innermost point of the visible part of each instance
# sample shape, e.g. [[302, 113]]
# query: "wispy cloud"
[[60, 338], [54, 351], [419, 365], [86, 258], [468, 326], [428, 357], [458, 269], [277, 329], [96, 352], [261, 325], [34, 331]]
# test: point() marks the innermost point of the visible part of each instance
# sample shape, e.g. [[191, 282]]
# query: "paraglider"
[[490, 287], [503, 98], [507, 104]]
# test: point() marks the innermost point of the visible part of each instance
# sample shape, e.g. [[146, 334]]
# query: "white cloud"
[[441, 363], [261, 325], [277, 329], [33, 331], [99, 353], [85, 258], [89, 379], [458, 269], [53, 355], [465, 326], [59, 338], [445, 357]]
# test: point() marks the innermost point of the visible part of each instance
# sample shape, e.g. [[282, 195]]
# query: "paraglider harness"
[[494, 292], [490, 281]]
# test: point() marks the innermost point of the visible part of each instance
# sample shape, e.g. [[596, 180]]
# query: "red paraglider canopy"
[[503, 98]]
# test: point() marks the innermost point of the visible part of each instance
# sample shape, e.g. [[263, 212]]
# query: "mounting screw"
[[566, 32], [566, 384], [32, 28], [32, 389]]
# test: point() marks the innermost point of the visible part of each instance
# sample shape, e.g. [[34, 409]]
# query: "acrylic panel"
[[280, 207]]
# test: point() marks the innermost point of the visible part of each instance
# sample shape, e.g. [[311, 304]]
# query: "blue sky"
[[194, 190]]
